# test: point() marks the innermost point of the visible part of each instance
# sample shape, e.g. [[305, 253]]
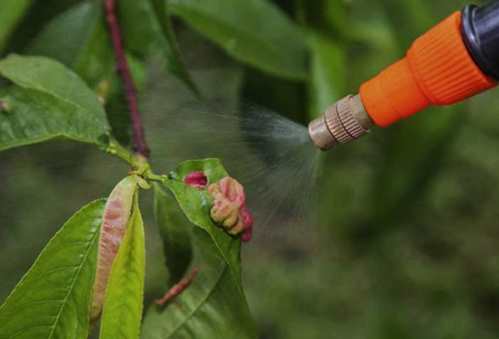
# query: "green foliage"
[[78, 39], [123, 305], [47, 101], [51, 78], [212, 306], [12, 12], [53, 298], [252, 31], [173, 227], [327, 74], [148, 33]]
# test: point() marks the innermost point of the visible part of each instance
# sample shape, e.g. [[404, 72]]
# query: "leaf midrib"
[[74, 278]]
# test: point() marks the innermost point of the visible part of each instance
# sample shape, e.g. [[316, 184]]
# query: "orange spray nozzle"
[[437, 70], [454, 60]]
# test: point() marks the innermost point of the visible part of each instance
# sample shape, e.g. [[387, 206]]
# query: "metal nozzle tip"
[[320, 135], [343, 122]]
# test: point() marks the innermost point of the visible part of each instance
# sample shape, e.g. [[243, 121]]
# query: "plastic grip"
[[437, 70]]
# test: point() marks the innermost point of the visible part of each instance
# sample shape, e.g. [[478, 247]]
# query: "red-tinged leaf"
[[114, 226]]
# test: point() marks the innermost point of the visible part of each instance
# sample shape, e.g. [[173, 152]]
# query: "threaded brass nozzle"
[[344, 121]]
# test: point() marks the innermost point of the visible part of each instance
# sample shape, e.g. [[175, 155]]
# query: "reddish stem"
[[178, 288], [138, 136]]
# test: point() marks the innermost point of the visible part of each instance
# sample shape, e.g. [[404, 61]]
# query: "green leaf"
[[147, 32], [78, 38], [50, 77], [122, 311], [327, 75], [10, 15], [174, 229], [252, 31], [47, 101], [53, 299], [214, 305]]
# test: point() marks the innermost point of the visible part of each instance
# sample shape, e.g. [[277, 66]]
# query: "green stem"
[[115, 148], [156, 177]]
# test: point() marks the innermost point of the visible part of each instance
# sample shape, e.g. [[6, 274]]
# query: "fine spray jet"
[[455, 60]]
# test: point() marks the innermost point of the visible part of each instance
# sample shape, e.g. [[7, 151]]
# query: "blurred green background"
[[407, 243]]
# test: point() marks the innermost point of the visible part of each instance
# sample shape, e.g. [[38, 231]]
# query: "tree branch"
[[138, 136]]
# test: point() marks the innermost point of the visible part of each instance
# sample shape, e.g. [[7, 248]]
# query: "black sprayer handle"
[[480, 27]]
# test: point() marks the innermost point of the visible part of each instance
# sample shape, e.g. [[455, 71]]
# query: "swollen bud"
[[114, 225]]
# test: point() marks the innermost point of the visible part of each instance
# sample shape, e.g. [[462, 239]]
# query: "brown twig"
[[178, 288], [138, 136]]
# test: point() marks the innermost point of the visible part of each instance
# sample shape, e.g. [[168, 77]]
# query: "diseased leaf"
[[47, 101], [174, 229], [123, 305], [252, 31], [214, 305], [12, 11], [148, 33], [53, 299], [196, 205], [115, 222]]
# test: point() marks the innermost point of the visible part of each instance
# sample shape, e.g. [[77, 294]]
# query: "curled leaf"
[[114, 224], [122, 311], [229, 207]]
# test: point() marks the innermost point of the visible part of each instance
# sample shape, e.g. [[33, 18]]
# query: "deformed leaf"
[[196, 205], [122, 313], [47, 101], [214, 305], [252, 31], [115, 222], [53, 299]]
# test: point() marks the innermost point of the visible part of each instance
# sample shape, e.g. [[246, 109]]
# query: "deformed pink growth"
[[196, 179], [248, 221], [114, 223], [229, 207], [178, 288]]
